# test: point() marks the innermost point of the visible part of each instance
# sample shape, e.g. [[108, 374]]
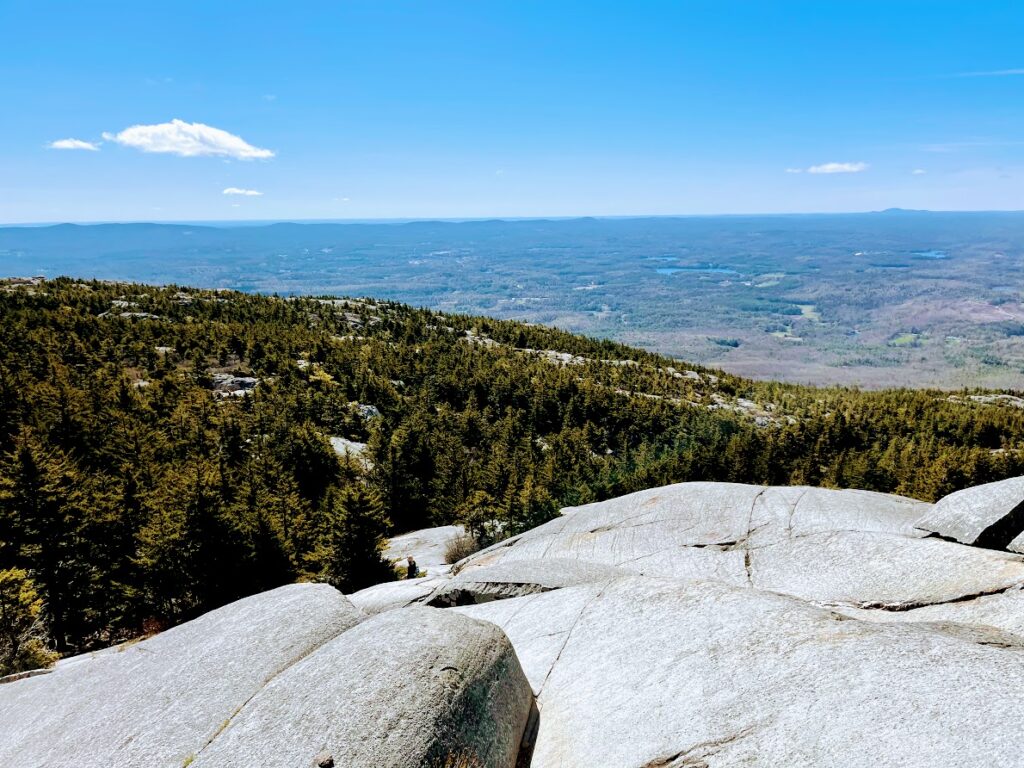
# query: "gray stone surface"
[[442, 686], [352, 451], [699, 624], [427, 546], [833, 547], [1001, 614], [652, 672], [345, 447], [876, 569], [816, 510], [537, 638], [700, 530], [966, 515], [158, 702], [394, 594], [517, 578]]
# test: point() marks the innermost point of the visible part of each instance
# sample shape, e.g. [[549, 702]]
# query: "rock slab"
[[411, 687], [654, 672], [990, 515], [159, 702]]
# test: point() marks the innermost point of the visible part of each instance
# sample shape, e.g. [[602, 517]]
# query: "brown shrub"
[[461, 546]]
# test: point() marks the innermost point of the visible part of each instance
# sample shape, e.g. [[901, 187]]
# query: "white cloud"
[[240, 191], [187, 140], [74, 144], [838, 168], [794, 170], [918, 172]]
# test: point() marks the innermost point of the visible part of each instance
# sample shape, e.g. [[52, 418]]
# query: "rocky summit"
[[700, 624]]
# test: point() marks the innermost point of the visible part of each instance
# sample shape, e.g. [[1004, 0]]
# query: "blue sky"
[[464, 109]]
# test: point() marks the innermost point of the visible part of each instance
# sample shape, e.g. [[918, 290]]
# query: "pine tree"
[[23, 641], [357, 540], [480, 515], [42, 502]]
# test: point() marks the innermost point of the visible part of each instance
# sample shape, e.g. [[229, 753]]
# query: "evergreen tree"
[[23, 641], [134, 496], [42, 502], [357, 539]]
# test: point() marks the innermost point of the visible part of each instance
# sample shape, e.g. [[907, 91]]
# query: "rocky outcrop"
[[700, 624], [845, 547], [427, 547], [990, 515], [655, 672], [395, 594], [414, 687], [515, 579], [159, 702], [764, 626], [277, 680]]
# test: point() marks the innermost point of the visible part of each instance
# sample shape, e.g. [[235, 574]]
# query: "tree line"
[[138, 488]]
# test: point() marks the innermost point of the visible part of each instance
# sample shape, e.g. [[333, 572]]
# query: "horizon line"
[[496, 218]]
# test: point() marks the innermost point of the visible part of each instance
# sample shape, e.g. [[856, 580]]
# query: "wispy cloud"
[[838, 168], [187, 140], [918, 172], [74, 144], [794, 170], [993, 73], [240, 191]]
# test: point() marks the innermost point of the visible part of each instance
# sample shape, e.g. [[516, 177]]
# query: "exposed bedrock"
[[699, 624]]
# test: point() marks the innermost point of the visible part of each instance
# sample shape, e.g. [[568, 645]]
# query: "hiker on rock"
[[413, 570]]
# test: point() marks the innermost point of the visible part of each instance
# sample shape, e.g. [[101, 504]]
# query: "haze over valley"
[[896, 298]]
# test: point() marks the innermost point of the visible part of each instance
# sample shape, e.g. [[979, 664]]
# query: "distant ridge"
[[806, 298]]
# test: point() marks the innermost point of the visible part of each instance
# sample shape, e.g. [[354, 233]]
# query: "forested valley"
[[165, 450]]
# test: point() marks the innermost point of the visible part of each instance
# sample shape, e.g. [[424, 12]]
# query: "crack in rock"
[[747, 565], [792, 513], [270, 678], [568, 636], [913, 605], [695, 756]]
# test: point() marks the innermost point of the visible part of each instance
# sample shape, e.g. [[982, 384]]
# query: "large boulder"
[[412, 687], [990, 515], [159, 702], [652, 672]]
